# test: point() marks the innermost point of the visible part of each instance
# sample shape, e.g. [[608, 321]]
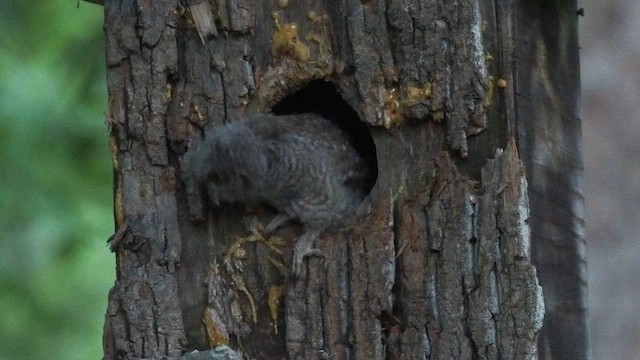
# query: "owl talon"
[[305, 247], [298, 260]]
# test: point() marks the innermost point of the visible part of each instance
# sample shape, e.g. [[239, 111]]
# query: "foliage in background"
[[55, 181]]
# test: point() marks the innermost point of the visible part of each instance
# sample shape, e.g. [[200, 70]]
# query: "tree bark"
[[463, 107]]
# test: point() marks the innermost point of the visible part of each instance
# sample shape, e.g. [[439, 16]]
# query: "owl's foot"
[[304, 247]]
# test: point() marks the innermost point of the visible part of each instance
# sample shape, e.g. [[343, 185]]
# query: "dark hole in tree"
[[320, 97]]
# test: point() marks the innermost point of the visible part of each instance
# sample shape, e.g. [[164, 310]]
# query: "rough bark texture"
[[435, 265]]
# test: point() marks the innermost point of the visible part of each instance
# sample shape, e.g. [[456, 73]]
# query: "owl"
[[303, 165]]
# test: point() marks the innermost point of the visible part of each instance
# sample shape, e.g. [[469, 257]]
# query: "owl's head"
[[229, 163]]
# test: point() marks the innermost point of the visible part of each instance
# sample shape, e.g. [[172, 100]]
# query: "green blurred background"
[[55, 181]]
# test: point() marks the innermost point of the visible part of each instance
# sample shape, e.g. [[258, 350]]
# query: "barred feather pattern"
[[301, 164]]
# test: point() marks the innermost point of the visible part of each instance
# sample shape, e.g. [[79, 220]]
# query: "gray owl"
[[301, 164]]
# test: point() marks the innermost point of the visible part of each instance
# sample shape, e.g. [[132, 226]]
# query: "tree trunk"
[[459, 100]]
